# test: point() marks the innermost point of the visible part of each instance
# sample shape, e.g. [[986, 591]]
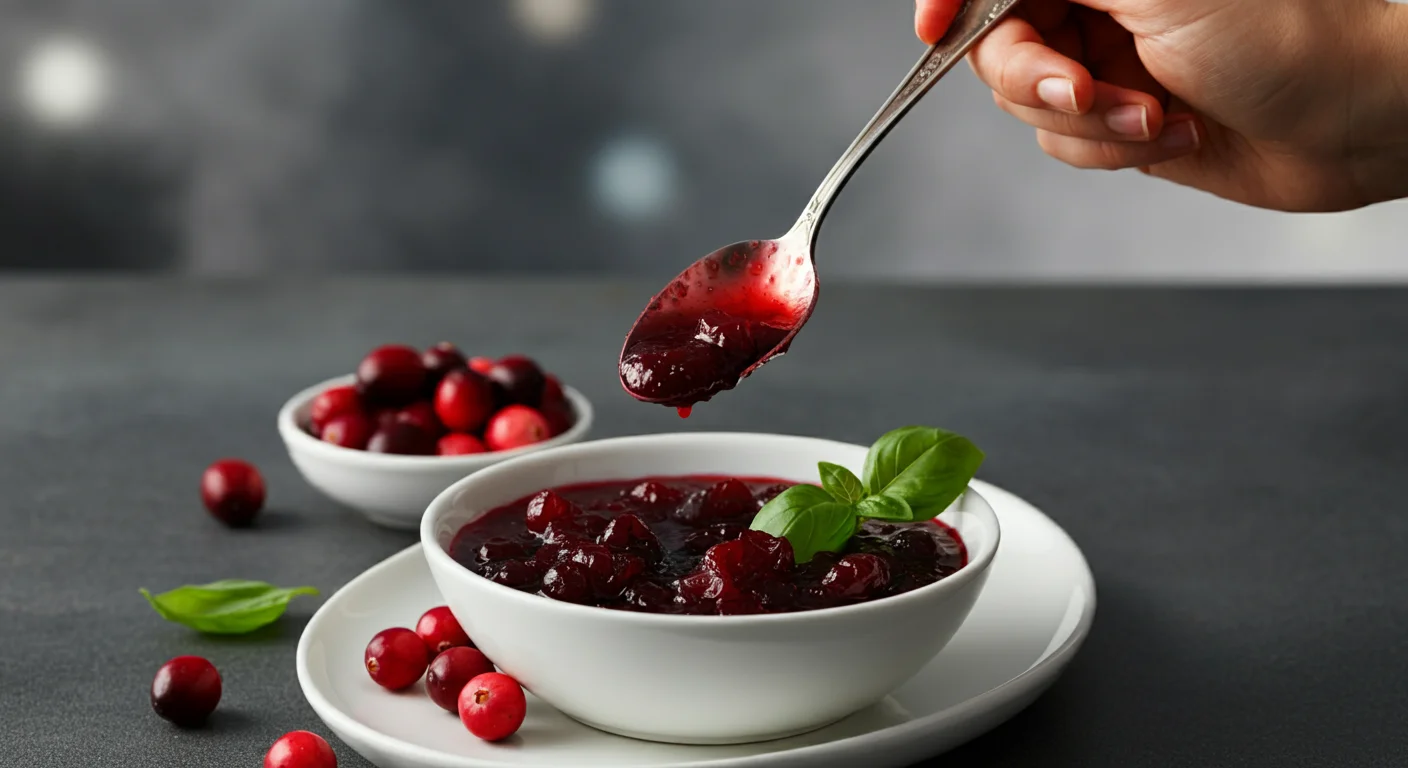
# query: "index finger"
[[933, 17]]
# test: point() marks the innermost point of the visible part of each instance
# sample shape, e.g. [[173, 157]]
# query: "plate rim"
[[1032, 680]]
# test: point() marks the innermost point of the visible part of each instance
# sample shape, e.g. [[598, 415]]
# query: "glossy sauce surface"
[[682, 545]]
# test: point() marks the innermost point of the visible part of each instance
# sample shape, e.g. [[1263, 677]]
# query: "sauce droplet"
[[685, 410]]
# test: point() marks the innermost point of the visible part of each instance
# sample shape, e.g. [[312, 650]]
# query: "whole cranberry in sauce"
[[233, 491], [186, 690], [391, 376]]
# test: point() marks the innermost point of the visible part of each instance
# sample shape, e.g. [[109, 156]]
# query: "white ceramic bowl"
[[394, 490], [698, 679]]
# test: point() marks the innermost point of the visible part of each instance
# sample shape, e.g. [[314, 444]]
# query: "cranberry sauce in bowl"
[[681, 545]]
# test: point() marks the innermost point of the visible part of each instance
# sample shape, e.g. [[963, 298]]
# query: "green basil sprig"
[[228, 607], [910, 474]]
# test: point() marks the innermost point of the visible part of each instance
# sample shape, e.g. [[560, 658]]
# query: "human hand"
[[1296, 105]]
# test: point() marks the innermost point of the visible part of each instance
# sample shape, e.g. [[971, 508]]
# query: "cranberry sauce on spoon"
[[682, 545]]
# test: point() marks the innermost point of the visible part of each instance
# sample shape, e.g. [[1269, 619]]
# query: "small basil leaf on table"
[[228, 607], [841, 482], [810, 519], [882, 507], [927, 467]]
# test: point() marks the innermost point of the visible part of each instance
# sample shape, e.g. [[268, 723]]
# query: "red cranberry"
[[186, 690], [421, 414], [729, 498], [568, 582], [402, 438], [514, 427], [914, 544], [440, 630], [459, 444], [350, 430], [332, 403], [396, 658], [657, 494], [464, 401], [553, 393], [499, 548], [559, 416], [649, 596], [515, 573], [521, 378], [856, 577], [480, 365], [300, 749], [392, 375], [547, 507], [629, 534], [600, 569], [440, 360], [451, 671], [705, 586], [775, 552], [492, 706], [233, 491]]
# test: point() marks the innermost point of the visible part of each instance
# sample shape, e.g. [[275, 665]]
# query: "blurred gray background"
[[566, 136]]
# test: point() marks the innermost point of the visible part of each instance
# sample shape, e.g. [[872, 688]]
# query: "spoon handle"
[[973, 21]]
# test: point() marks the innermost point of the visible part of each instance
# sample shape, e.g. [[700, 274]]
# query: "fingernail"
[[1179, 136], [1129, 120], [1059, 93]]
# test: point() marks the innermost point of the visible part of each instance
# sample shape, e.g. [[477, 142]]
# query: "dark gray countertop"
[[1231, 461]]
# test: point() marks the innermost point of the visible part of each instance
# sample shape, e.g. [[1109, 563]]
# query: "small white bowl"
[[389, 489], [698, 679]]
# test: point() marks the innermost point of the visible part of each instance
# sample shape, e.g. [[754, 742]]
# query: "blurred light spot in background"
[[633, 178], [64, 81], [554, 21]]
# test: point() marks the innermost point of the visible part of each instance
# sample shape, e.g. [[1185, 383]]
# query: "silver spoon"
[[742, 305]]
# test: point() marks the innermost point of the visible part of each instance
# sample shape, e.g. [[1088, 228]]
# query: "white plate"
[[1029, 622]]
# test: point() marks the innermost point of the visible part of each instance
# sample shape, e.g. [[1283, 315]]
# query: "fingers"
[[1117, 114], [932, 17], [1019, 66], [1181, 136]]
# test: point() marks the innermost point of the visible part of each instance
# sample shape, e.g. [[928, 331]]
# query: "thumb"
[[932, 18]]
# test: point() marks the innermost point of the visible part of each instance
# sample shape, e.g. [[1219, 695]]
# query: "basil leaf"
[[925, 466], [810, 519], [229, 607], [884, 507], [841, 482]]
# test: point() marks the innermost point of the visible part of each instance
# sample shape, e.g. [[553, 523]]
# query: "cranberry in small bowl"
[[694, 669], [393, 488]]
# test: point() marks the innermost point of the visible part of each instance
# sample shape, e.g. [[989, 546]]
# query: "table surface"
[[1231, 462]]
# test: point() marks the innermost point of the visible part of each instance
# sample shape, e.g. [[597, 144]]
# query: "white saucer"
[[1029, 622]]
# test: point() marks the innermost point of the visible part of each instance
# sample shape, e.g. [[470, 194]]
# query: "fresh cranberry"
[[514, 427], [391, 376], [559, 417], [233, 491], [459, 444], [438, 361], [856, 577], [332, 403], [521, 378], [421, 414], [464, 401], [629, 534], [450, 671], [553, 393], [728, 498], [568, 582], [492, 706], [515, 573], [186, 690], [480, 365], [547, 507], [402, 438], [657, 494], [300, 749], [349, 430], [396, 658], [439, 629]]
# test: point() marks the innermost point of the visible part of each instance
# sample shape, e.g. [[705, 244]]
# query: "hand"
[[1296, 105]]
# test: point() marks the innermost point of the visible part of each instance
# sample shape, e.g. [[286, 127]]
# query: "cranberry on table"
[[300, 749], [332, 403], [492, 706], [521, 379], [402, 438], [396, 658], [349, 430], [516, 426], [233, 491], [440, 630], [460, 444], [464, 401], [440, 360], [391, 375], [186, 690], [450, 671]]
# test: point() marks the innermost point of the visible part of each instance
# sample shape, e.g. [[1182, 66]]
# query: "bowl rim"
[[437, 556], [296, 438]]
